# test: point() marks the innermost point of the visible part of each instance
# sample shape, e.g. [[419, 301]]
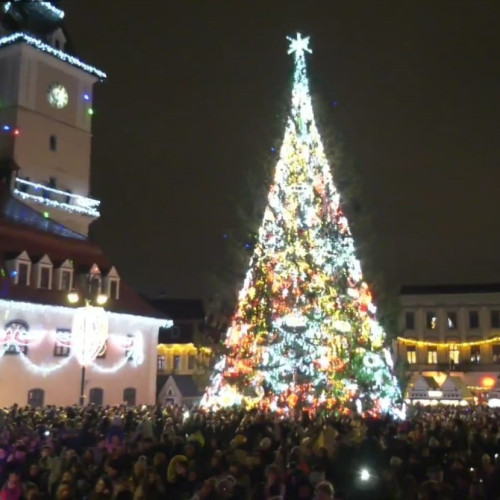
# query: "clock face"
[[58, 96]]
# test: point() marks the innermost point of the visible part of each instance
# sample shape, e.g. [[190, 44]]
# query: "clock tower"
[[46, 114]]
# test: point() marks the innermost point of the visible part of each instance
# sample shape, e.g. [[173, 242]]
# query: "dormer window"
[[94, 278], [113, 289], [58, 39], [19, 268], [22, 276], [95, 285], [45, 276], [42, 273], [112, 284], [63, 276], [66, 280]]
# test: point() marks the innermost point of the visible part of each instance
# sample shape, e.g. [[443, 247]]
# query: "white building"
[[451, 330], [45, 212]]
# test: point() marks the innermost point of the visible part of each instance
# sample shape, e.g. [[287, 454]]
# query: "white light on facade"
[[90, 333], [42, 46]]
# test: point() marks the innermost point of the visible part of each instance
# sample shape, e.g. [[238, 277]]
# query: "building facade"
[[182, 362], [451, 330], [46, 114], [102, 348]]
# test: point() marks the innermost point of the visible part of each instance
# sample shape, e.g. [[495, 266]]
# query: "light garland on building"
[[425, 343], [43, 369], [42, 46], [89, 331], [52, 8], [18, 335], [82, 204]]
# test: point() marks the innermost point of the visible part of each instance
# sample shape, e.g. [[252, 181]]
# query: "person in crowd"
[[91, 452]]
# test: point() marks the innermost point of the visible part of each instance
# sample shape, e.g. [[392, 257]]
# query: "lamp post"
[[89, 331]]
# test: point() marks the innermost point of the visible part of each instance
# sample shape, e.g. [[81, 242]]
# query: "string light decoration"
[[42, 46], [304, 334], [7, 129], [47, 5], [74, 203], [89, 333], [17, 334], [425, 343]]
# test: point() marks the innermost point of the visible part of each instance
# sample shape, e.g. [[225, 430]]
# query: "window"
[[452, 320], [62, 347], [36, 398], [113, 289], [23, 274], [473, 319], [411, 354], [454, 355], [495, 319], [475, 354], [129, 351], [409, 321], [129, 396], [177, 362], [96, 396], [191, 361], [53, 143], [496, 353], [431, 320], [17, 349], [45, 277], [66, 280], [160, 363], [95, 286], [432, 357]]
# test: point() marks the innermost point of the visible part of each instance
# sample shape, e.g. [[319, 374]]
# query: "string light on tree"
[[304, 333]]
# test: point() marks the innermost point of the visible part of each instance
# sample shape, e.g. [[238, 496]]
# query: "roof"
[[161, 380], [176, 334], [16, 211], [431, 383], [40, 45], [179, 309], [185, 383], [35, 16], [449, 289], [16, 238], [187, 386]]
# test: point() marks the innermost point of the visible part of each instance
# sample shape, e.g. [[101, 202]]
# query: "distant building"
[[181, 361], [46, 95], [451, 330]]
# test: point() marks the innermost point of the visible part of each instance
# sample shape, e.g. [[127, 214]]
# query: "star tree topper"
[[299, 45]]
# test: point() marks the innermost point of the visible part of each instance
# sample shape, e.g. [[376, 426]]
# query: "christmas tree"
[[304, 334]]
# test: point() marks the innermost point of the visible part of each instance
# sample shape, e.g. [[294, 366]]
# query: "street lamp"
[[89, 331]]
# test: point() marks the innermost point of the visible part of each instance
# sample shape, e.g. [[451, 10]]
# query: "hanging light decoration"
[[90, 333]]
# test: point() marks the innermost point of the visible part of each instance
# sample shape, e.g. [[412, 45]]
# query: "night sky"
[[195, 101]]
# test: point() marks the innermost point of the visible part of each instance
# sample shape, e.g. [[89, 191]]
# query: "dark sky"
[[195, 100]]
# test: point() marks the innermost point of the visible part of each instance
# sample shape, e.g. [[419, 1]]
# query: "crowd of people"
[[145, 453]]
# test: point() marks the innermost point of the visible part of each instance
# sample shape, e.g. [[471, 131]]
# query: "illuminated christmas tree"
[[304, 333]]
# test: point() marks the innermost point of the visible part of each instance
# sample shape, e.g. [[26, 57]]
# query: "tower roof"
[[36, 16], [34, 22]]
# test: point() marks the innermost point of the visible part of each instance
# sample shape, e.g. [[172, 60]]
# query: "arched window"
[[129, 396], [53, 143], [36, 398], [96, 396]]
